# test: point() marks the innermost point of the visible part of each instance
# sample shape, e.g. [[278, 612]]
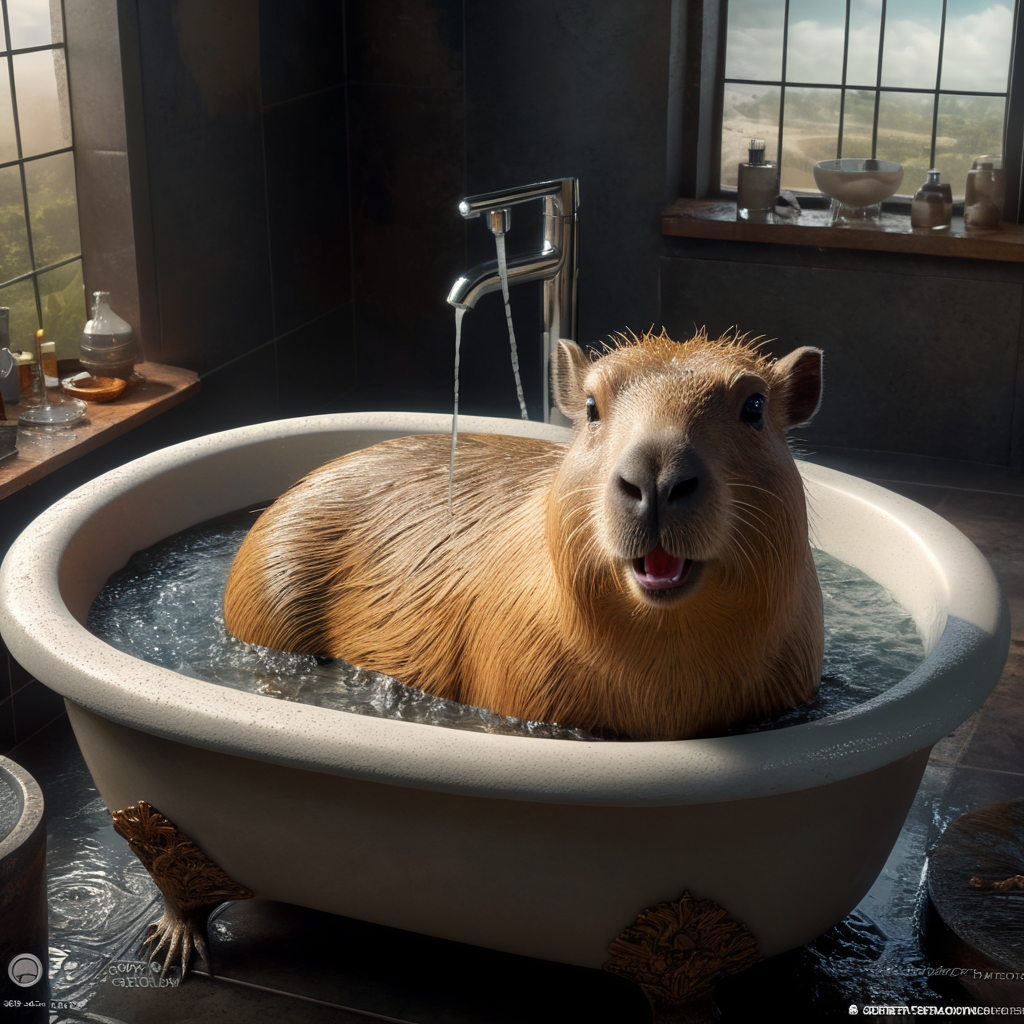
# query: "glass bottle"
[[932, 207], [757, 185], [108, 347]]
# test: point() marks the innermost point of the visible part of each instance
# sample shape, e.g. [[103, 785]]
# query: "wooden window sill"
[[40, 451], [716, 218]]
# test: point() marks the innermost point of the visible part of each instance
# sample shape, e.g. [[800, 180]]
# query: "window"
[[40, 251], [921, 82]]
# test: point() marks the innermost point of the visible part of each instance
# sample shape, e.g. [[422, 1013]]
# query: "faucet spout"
[[554, 263]]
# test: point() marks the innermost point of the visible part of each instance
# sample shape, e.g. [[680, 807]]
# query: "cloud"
[[976, 50]]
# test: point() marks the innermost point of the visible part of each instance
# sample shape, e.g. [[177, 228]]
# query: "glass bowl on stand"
[[857, 188]]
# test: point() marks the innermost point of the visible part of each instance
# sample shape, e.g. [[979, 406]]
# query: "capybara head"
[[679, 460]]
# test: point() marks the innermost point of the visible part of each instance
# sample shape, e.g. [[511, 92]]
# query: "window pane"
[[810, 131], [62, 294], [14, 259], [754, 44], [976, 53], [750, 112], [905, 135], [862, 56], [21, 298], [858, 117], [8, 142], [911, 54], [52, 208], [968, 127], [34, 22], [815, 49], [43, 113]]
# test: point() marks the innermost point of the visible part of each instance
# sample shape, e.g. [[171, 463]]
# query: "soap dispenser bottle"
[[932, 207], [757, 185]]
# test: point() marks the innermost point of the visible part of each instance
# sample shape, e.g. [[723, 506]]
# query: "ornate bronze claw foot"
[[191, 883], [676, 952]]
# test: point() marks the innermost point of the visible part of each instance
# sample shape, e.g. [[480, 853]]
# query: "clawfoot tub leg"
[[191, 884], [676, 952]]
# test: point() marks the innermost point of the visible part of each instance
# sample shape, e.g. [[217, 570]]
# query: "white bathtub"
[[542, 847]]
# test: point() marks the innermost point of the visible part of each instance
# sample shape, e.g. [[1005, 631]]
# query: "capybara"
[[651, 579]]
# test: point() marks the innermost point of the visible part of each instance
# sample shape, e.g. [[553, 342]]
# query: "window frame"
[[696, 101], [21, 160]]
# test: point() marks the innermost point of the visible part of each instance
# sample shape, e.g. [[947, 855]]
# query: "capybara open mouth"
[[658, 570]]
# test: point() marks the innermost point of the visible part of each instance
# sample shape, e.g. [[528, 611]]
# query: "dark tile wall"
[[408, 143], [241, 108], [921, 353]]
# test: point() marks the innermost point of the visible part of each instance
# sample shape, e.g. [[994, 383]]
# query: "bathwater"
[[10, 808], [166, 607]]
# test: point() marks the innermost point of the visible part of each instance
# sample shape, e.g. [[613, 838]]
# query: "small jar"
[[757, 185], [932, 207]]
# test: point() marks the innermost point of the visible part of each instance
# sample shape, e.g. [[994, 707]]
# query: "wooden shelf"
[[716, 218], [40, 451]]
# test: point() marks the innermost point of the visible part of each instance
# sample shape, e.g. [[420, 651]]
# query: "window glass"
[[910, 53], [754, 45], [968, 127], [34, 22], [858, 119], [862, 53], [976, 53], [62, 297], [905, 135], [24, 322], [894, 104], [8, 142], [14, 258], [814, 47], [750, 112], [44, 116], [52, 208], [809, 134]]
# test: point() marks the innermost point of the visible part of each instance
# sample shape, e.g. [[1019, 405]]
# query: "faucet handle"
[[563, 190]]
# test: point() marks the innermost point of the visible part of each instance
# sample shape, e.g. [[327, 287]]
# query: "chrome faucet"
[[555, 264]]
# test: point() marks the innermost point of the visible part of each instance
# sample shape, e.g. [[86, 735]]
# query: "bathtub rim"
[[954, 680]]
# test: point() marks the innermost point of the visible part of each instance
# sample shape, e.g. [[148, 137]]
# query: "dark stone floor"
[[281, 963]]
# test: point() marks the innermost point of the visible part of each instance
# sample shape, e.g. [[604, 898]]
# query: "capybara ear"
[[798, 377], [570, 364]]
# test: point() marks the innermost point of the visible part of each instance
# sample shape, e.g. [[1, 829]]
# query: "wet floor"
[[282, 963]]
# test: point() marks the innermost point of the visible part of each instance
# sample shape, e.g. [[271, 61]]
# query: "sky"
[[976, 50]]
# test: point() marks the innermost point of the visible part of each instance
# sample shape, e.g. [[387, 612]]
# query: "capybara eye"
[[753, 411], [592, 414]]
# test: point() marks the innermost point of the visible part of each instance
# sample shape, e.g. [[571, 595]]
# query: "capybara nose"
[[655, 481]]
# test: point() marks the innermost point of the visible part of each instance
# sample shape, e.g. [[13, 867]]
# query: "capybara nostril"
[[682, 490], [630, 489]]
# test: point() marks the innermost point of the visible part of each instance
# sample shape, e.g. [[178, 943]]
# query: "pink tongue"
[[659, 564]]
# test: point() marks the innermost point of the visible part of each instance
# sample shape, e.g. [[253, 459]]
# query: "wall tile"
[[308, 207], [405, 42], [898, 375], [316, 364], [408, 245], [201, 84], [302, 47], [35, 705], [8, 736], [578, 89], [18, 676]]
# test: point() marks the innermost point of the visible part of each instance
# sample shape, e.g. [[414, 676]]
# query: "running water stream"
[[460, 311]]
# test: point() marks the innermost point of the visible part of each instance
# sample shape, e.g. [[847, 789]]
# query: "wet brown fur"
[[521, 600]]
